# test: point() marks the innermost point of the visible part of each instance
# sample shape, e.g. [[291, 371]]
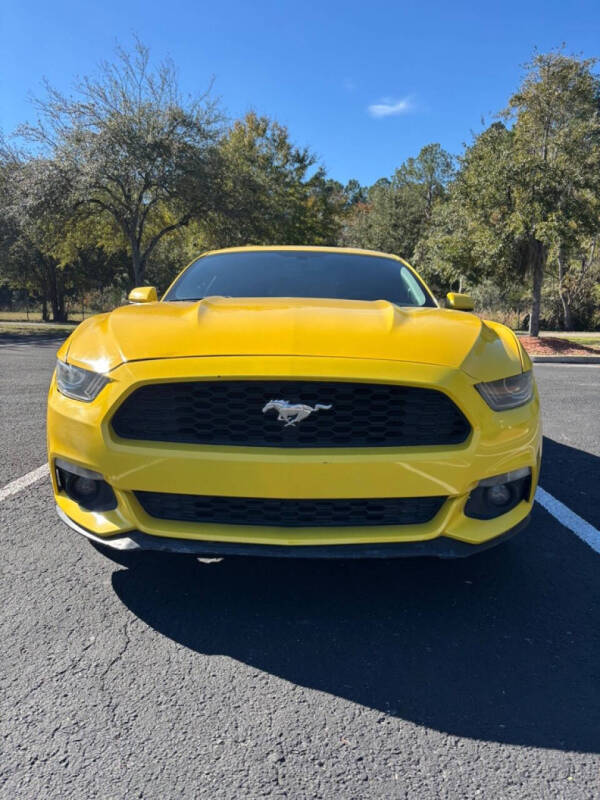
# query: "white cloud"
[[388, 107]]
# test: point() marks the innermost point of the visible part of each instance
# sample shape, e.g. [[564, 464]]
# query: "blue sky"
[[364, 84]]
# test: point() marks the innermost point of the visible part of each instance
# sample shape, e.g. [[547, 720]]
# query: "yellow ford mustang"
[[294, 401]]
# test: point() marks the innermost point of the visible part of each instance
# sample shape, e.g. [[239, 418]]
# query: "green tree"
[[44, 248], [451, 252], [532, 189], [354, 193], [468, 238], [575, 284], [128, 148], [556, 153], [33, 212], [429, 174], [397, 212], [267, 192]]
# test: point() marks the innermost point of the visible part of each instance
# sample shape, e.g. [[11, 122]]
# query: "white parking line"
[[23, 482], [569, 519], [559, 511]]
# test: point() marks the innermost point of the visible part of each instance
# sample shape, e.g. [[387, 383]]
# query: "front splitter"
[[441, 547]]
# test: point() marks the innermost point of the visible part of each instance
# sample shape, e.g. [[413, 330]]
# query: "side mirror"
[[143, 294], [460, 302]]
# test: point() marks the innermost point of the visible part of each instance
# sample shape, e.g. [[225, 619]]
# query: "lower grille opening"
[[289, 513]]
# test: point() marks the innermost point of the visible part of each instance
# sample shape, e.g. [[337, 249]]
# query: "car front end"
[[294, 427], [350, 500]]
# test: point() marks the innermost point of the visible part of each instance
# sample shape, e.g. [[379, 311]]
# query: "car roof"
[[306, 248]]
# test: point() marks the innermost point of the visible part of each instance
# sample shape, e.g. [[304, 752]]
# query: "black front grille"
[[231, 413], [289, 513]]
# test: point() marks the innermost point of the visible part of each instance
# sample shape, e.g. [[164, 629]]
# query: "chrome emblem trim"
[[291, 413]]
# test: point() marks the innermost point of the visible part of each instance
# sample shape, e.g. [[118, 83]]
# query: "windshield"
[[297, 273]]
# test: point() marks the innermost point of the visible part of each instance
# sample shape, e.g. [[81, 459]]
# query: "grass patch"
[[35, 330], [588, 341], [36, 316]]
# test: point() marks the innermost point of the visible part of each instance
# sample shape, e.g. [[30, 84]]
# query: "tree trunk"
[[137, 264], [56, 292], [564, 297], [537, 262], [44, 310], [57, 301]]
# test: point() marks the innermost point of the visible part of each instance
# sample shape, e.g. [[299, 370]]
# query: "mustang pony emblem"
[[290, 413]]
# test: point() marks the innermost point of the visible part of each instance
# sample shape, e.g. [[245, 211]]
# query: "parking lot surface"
[[253, 678]]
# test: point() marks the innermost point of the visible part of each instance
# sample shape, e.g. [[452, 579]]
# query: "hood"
[[303, 327]]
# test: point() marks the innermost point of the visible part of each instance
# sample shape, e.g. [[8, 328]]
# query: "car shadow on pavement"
[[503, 646], [573, 477]]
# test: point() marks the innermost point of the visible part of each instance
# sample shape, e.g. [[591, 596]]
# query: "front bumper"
[[442, 547], [500, 442]]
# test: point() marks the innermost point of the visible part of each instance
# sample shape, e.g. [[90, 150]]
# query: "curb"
[[565, 359]]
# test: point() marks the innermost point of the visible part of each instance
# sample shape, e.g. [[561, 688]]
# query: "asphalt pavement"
[[254, 678]]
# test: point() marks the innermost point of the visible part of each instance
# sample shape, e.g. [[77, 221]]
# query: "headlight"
[[78, 383], [507, 392]]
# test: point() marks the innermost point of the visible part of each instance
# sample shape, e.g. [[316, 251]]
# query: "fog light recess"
[[499, 494], [87, 488]]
